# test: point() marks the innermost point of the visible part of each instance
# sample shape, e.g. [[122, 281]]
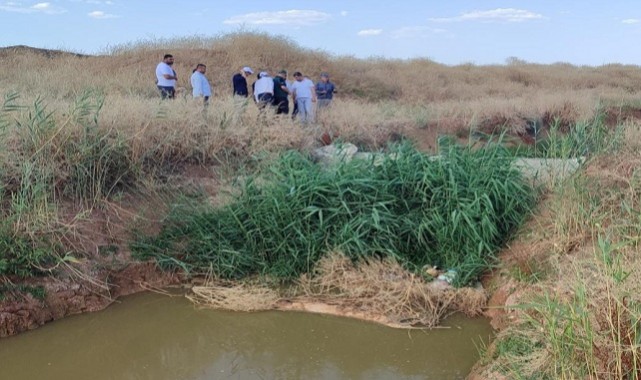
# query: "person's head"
[[282, 74], [298, 76], [247, 71], [264, 74], [200, 68], [324, 77], [168, 59]]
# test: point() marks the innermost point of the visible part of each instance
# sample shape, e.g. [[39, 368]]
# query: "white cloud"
[[294, 17], [416, 32], [499, 14], [101, 15], [41, 6], [344, 13], [631, 21], [370, 32], [12, 6]]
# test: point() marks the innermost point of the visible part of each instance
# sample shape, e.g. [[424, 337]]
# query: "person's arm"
[[313, 92], [169, 75], [318, 90]]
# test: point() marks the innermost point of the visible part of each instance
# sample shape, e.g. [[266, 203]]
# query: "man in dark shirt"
[[239, 81], [280, 93], [325, 91]]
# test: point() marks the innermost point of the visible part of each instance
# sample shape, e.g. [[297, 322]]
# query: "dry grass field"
[[89, 149]]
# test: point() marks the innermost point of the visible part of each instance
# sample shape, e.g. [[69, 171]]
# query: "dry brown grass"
[[416, 93], [378, 290], [581, 317], [234, 297], [383, 287]]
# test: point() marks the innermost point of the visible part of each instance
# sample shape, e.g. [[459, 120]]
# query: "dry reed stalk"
[[235, 297], [377, 288], [383, 287]]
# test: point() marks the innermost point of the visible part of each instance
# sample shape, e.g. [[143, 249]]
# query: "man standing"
[[264, 90], [324, 91], [239, 81], [280, 93], [304, 95], [166, 77], [200, 84]]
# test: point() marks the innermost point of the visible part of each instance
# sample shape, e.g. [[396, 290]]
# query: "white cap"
[[264, 74], [248, 69]]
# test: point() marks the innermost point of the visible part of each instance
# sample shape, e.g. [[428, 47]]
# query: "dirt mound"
[[21, 310], [617, 115], [48, 53]]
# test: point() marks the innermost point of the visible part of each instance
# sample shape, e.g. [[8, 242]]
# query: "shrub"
[[453, 210]]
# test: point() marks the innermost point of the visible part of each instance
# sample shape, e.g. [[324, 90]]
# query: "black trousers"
[[282, 106]]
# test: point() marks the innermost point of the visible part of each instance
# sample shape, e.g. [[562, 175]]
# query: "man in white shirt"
[[200, 84], [264, 90], [304, 96], [166, 77]]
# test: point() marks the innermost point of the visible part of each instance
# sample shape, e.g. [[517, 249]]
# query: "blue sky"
[[585, 32]]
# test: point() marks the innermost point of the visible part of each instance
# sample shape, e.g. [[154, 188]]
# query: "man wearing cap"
[[280, 93], [324, 91], [264, 90], [239, 81]]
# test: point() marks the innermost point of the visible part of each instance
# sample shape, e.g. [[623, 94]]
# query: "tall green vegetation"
[[453, 210], [44, 159]]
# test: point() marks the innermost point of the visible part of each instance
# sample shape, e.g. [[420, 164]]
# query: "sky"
[[587, 32]]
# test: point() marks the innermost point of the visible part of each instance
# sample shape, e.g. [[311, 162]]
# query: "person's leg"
[[309, 110], [324, 103], [264, 100], [164, 94], [282, 106], [300, 103]]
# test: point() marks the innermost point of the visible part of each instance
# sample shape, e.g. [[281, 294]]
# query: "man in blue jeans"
[[304, 97], [325, 91]]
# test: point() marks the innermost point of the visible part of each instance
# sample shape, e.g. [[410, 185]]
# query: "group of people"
[[268, 92]]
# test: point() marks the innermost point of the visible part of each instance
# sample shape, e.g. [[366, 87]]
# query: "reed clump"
[[453, 210]]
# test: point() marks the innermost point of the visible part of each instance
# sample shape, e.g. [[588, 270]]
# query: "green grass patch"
[[454, 211], [586, 138]]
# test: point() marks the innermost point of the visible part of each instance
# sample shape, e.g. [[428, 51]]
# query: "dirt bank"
[[21, 311]]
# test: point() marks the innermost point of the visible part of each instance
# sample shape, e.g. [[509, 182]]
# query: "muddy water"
[[149, 336]]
